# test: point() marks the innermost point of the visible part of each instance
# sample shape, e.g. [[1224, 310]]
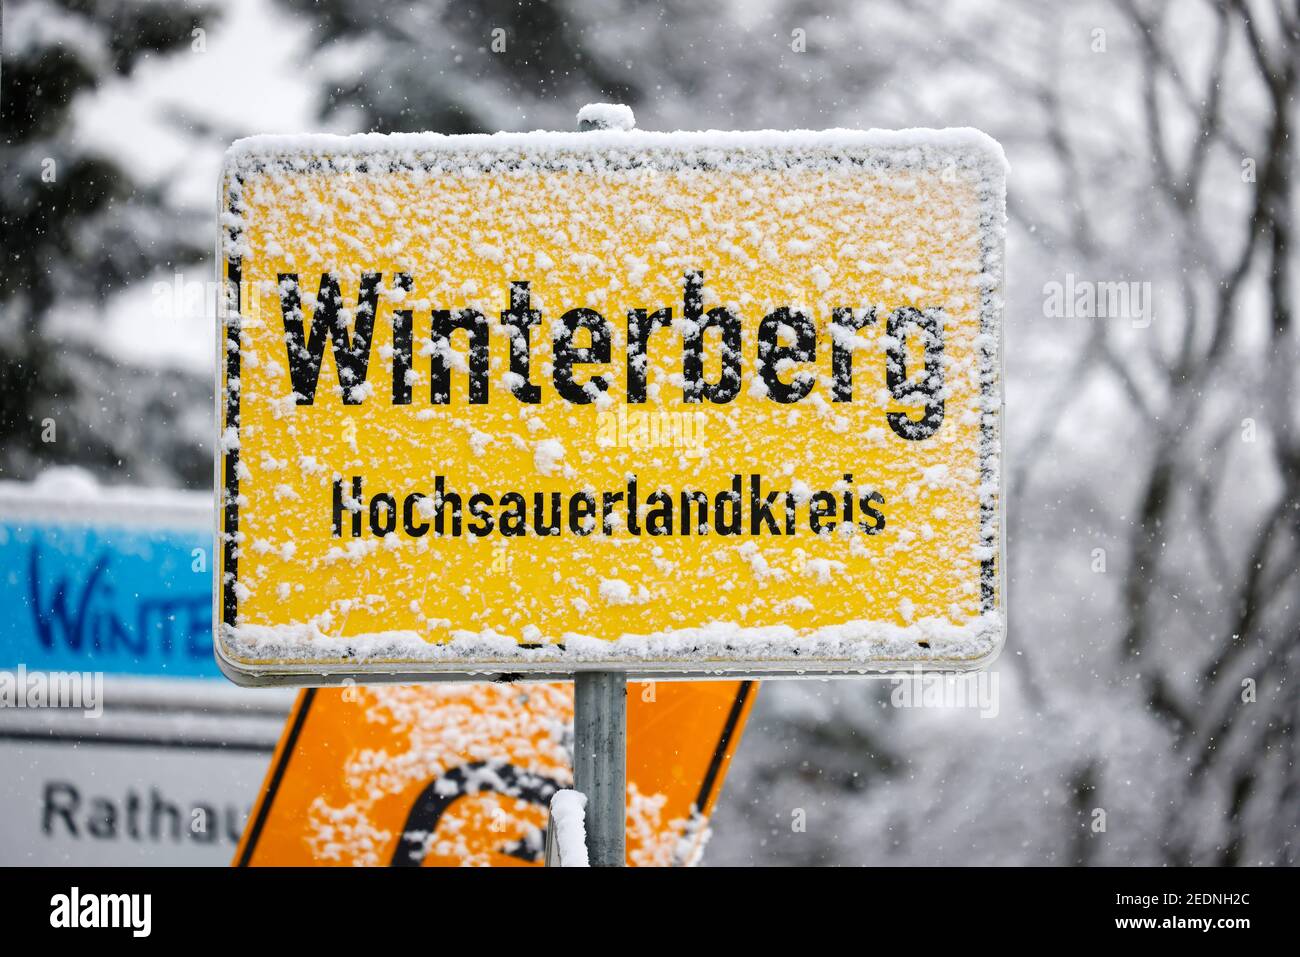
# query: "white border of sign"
[[910, 149]]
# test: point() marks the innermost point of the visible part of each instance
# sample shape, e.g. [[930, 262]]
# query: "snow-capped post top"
[[568, 832], [605, 116], [666, 403]]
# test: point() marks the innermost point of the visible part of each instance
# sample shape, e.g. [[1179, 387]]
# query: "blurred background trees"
[[77, 227], [1148, 705]]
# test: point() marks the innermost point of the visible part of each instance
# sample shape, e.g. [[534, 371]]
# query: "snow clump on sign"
[[606, 116]]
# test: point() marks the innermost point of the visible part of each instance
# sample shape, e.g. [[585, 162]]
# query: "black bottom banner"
[[336, 905]]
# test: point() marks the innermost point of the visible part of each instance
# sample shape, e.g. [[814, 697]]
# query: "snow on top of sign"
[[69, 493], [607, 116], [569, 811], [963, 140]]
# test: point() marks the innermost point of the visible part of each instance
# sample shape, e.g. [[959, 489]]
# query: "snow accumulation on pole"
[[568, 813]]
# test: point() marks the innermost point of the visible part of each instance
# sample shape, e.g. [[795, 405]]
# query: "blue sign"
[[132, 600]]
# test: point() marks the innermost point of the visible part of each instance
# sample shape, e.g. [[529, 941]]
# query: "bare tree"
[[1149, 141]]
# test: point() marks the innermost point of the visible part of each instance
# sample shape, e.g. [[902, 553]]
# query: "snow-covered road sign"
[[675, 404]]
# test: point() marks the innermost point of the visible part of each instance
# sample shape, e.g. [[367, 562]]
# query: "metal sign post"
[[600, 704], [600, 761]]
